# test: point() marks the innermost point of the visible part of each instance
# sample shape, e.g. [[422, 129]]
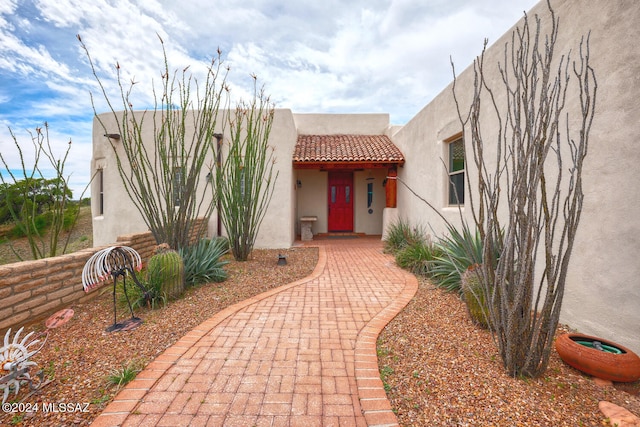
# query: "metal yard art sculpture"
[[113, 262], [15, 355]]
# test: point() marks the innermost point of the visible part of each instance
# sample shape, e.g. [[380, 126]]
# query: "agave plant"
[[202, 262], [459, 251]]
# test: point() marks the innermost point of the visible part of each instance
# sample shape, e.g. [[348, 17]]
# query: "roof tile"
[[346, 148]]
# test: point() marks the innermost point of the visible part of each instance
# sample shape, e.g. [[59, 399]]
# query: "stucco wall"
[[365, 222], [278, 229], [603, 290], [337, 124], [312, 198], [120, 216]]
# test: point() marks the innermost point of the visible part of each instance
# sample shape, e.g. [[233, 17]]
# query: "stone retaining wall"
[[32, 290]]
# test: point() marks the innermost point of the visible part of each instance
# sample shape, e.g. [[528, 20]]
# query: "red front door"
[[340, 201]]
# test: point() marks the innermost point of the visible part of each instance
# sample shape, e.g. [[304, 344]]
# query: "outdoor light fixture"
[[115, 136]]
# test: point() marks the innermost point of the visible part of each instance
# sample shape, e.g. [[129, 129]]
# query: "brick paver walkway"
[[300, 355]]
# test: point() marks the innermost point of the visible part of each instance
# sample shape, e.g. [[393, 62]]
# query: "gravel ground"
[[441, 370], [80, 355], [438, 368]]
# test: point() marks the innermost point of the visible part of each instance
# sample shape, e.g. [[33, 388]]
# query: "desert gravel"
[[80, 355], [439, 369]]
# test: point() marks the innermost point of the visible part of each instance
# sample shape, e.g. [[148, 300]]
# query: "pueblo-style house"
[[341, 173]]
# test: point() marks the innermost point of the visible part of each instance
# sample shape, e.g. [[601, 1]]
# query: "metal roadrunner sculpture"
[[112, 262]]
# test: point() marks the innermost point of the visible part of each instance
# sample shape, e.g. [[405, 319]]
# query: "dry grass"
[[440, 369]]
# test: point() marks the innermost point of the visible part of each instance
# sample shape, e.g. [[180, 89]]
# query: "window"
[[101, 191], [456, 171]]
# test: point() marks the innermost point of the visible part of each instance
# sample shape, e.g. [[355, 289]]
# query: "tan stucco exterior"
[[297, 192], [603, 287]]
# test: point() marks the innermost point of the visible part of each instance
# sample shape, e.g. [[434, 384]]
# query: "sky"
[[330, 56]]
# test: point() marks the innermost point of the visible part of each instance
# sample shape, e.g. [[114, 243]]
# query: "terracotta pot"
[[622, 367]]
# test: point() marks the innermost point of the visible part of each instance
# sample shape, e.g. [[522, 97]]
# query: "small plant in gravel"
[[154, 299], [124, 375], [50, 371], [102, 399]]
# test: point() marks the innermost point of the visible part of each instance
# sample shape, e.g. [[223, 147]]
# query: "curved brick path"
[[300, 355]]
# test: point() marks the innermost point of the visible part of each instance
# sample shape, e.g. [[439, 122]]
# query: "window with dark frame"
[[101, 191], [456, 171]]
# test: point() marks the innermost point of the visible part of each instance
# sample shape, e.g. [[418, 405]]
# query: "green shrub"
[[202, 262], [417, 257], [166, 272], [136, 296], [70, 217], [474, 296], [400, 234], [38, 225], [124, 375]]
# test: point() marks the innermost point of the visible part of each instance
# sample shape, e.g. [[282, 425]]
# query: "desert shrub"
[[154, 298], [38, 226], [417, 256], [400, 234], [202, 261]]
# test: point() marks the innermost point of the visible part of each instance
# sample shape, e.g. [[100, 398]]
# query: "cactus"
[[473, 294], [165, 272]]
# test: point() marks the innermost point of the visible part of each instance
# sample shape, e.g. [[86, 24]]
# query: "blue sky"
[[328, 56]]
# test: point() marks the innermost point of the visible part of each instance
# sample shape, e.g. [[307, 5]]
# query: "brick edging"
[[374, 403]]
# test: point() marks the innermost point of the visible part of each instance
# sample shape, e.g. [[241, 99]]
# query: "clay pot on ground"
[[598, 357]]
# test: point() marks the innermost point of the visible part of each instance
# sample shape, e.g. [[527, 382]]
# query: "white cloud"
[[329, 56]]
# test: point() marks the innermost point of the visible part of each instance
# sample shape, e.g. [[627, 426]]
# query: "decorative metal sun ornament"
[[15, 355], [112, 262]]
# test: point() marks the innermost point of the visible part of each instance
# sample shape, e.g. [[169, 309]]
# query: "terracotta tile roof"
[[346, 148]]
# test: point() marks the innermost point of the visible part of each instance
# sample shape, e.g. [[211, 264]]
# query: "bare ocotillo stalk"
[[528, 174]]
